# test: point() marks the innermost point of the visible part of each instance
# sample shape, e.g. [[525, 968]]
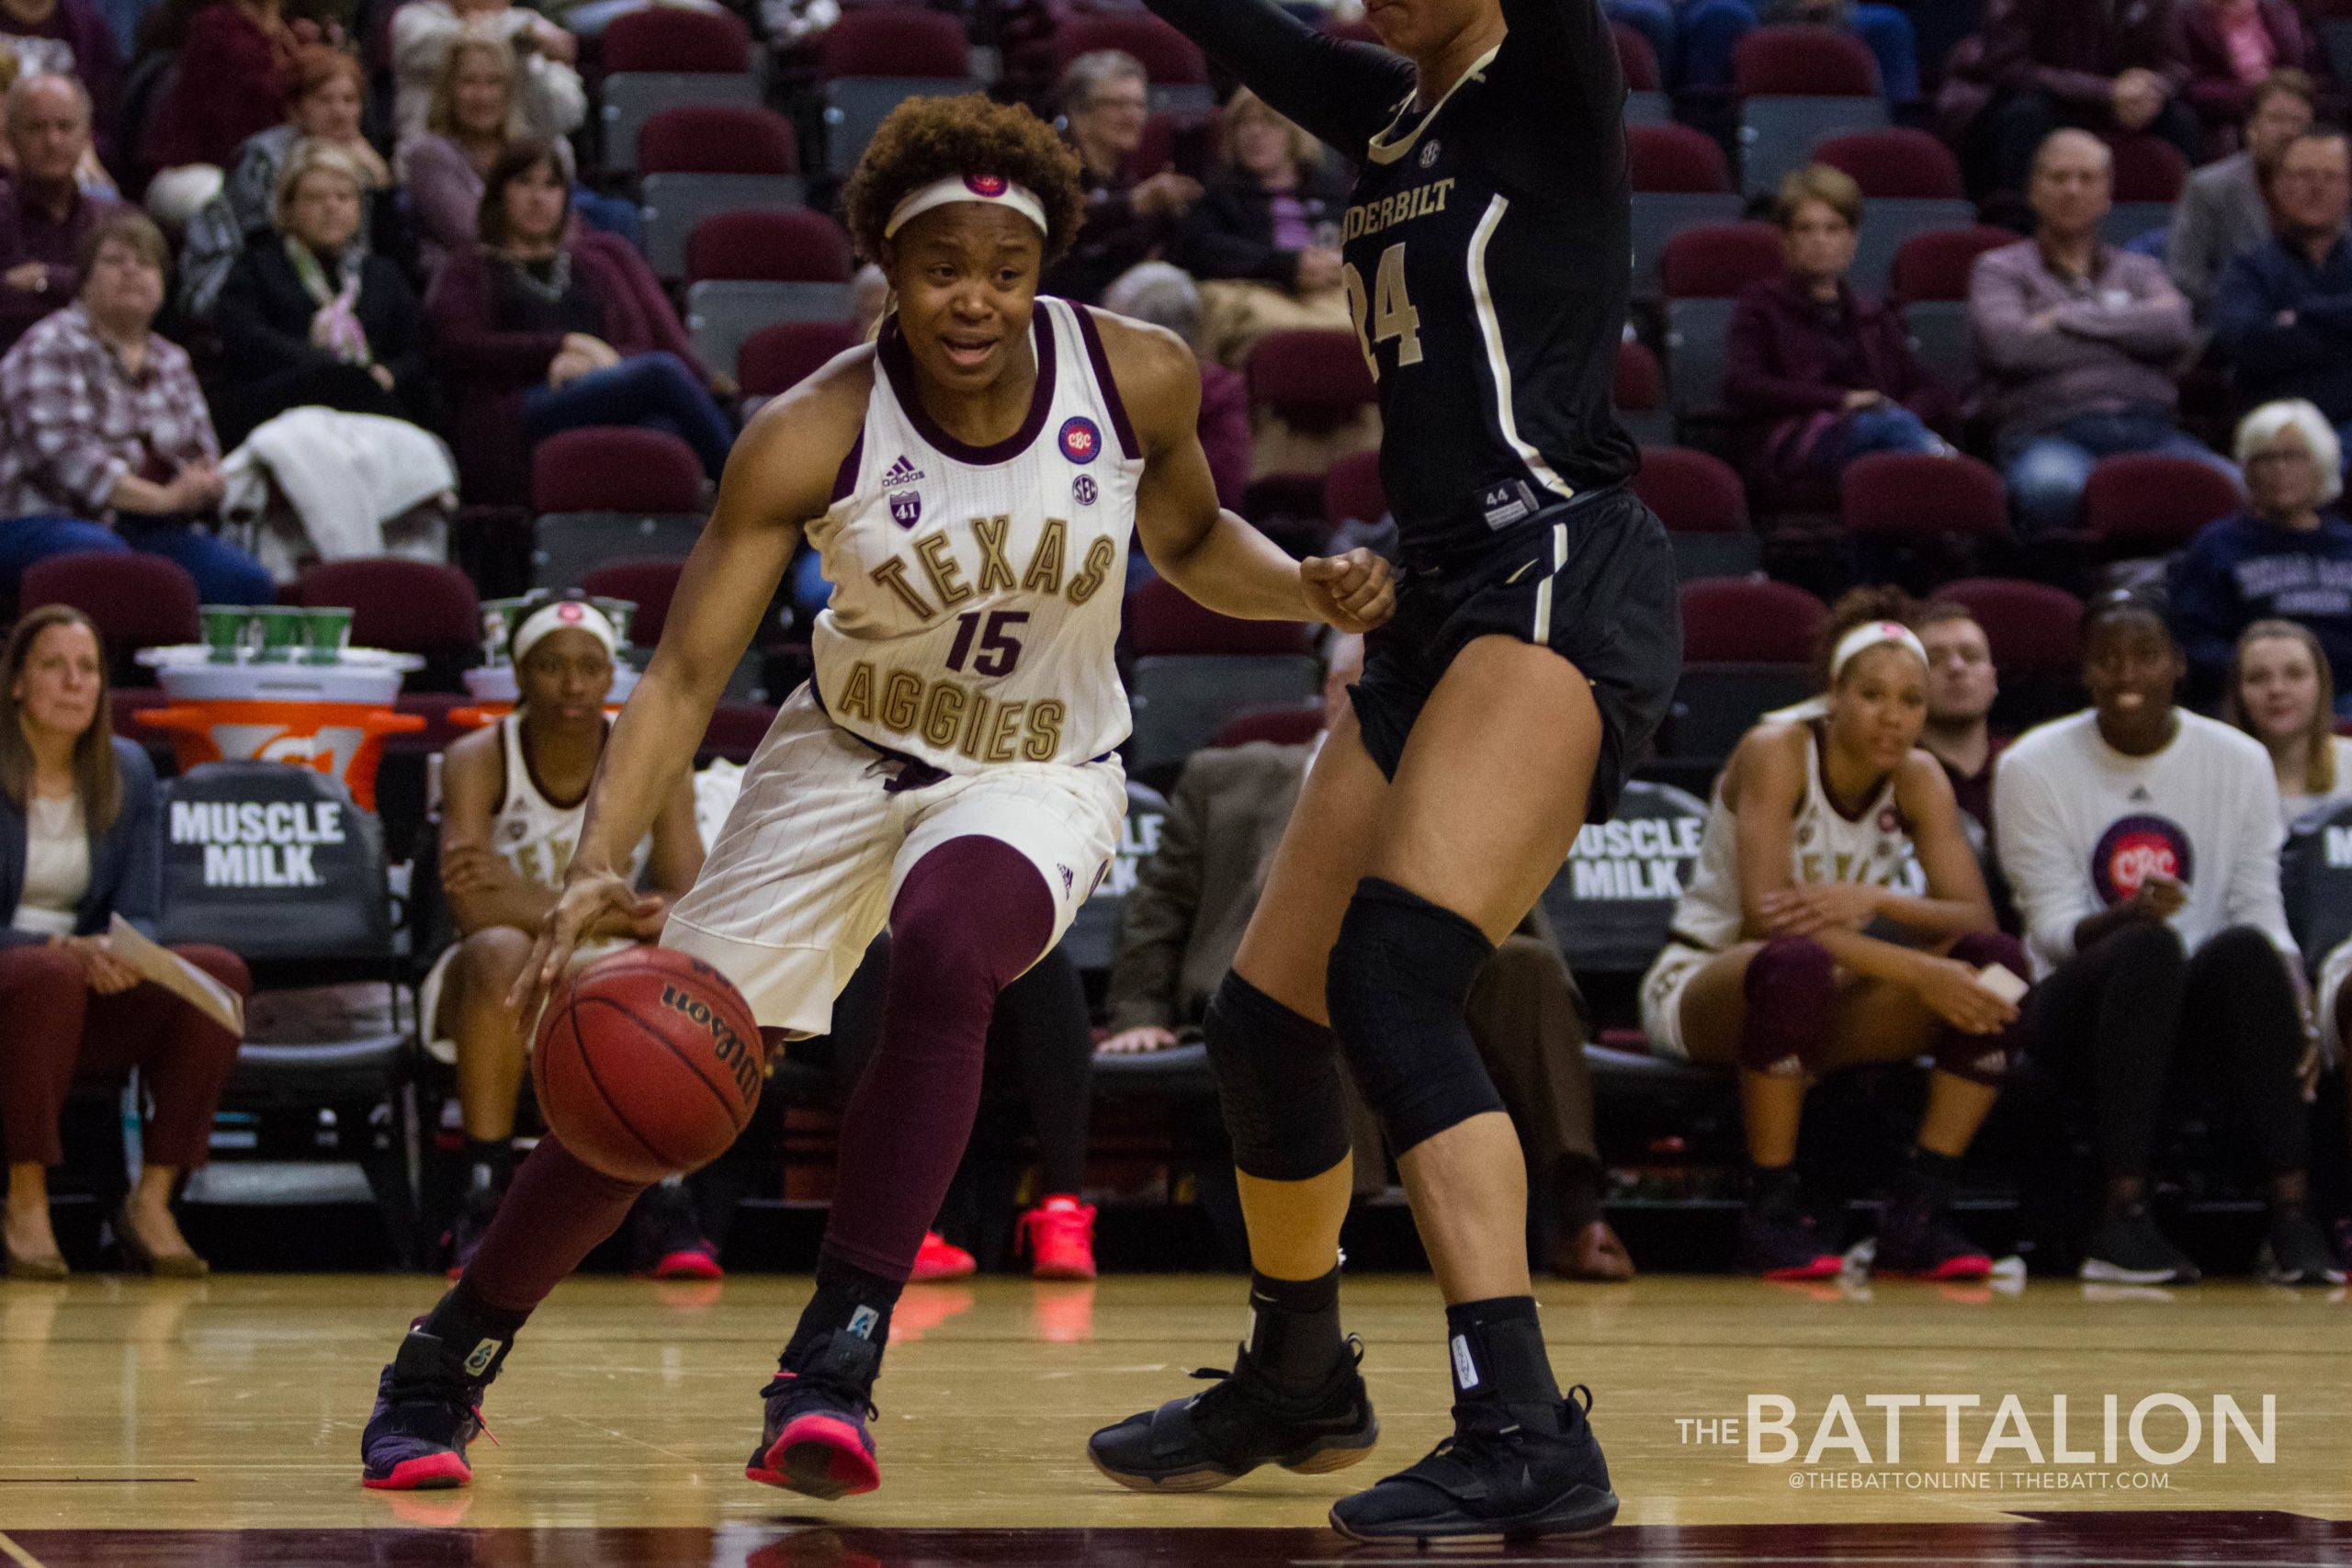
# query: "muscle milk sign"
[[255, 843], [1612, 902]]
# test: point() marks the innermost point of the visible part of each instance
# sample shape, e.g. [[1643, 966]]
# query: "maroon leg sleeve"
[[553, 1215], [44, 998], [972, 915]]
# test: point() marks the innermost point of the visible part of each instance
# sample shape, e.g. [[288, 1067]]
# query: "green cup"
[[326, 632], [225, 627], [621, 612], [282, 632], [498, 618]]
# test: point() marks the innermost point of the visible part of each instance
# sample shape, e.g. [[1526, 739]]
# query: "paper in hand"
[[177, 976], [2002, 982]]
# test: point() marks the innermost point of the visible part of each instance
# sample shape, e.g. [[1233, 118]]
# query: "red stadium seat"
[[897, 40], [1156, 154], [663, 39], [1353, 490], [1675, 158], [1891, 494], [647, 584], [1284, 726], [1894, 163], [776, 358], [1635, 58], [2032, 627], [409, 606], [2147, 168], [1798, 61], [2146, 504], [614, 469], [1313, 377], [1935, 265], [792, 246], [135, 601], [717, 139], [1691, 492], [1169, 58], [1638, 385], [1162, 620], [1741, 621], [1718, 261], [736, 729]]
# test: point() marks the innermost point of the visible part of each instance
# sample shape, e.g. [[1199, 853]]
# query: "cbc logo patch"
[[2135, 849], [1080, 440], [985, 185]]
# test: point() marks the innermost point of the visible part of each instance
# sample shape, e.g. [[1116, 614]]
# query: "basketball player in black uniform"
[[1534, 649]]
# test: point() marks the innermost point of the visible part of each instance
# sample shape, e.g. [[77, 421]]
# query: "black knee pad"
[[1398, 978], [1278, 1084]]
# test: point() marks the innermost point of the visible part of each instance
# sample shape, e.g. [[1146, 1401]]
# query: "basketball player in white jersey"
[[513, 797], [971, 480], [1804, 945]]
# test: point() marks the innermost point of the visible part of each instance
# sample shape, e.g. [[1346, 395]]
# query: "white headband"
[[564, 615], [993, 188], [1873, 633]]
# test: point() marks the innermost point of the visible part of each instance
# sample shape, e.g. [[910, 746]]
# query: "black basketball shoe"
[[1244, 1419], [2129, 1251], [428, 1407], [1776, 1241], [1916, 1239], [2295, 1252], [814, 1440], [1495, 1478]]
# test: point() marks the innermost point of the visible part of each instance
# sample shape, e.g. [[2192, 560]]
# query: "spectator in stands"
[[2076, 341], [2281, 693], [1962, 687], [2223, 213], [470, 117], [105, 421], [329, 87], [553, 103], [2288, 556], [1711, 31], [45, 215], [316, 319], [2283, 316], [1104, 105], [2231, 47], [2142, 844], [546, 327], [1164, 295], [1266, 230], [1183, 923], [81, 827], [513, 797], [869, 299], [1819, 375], [2078, 62], [231, 80], [1819, 829], [69, 38]]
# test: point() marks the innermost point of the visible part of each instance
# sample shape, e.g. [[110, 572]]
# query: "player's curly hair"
[[1857, 606], [934, 138]]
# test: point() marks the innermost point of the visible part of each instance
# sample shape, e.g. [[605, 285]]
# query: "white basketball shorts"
[[803, 875]]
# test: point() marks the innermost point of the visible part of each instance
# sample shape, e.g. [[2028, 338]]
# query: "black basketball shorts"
[[1592, 579]]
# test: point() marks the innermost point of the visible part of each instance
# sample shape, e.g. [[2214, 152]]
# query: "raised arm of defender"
[[779, 477]]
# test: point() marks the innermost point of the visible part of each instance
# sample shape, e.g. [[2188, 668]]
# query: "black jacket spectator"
[[1229, 234], [268, 356]]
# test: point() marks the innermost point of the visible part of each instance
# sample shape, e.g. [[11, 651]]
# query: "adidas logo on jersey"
[[901, 472]]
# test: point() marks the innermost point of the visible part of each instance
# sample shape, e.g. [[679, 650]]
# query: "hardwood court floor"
[[235, 1404]]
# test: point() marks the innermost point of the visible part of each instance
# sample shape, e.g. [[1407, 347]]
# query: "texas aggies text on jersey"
[[978, 590]]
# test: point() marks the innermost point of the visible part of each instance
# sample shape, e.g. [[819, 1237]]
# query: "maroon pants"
[[57, 1030]]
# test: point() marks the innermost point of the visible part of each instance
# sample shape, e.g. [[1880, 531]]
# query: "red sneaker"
[[1060, 1236], [939, 1258]]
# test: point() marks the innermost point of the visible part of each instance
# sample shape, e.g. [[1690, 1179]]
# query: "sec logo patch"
[[2135, 849], [1080, 440]]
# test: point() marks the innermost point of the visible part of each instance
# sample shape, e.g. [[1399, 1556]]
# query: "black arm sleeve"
[[1568, 43], [1343, 92]]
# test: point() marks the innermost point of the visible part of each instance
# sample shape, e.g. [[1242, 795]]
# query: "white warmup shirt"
[[2080, 826]]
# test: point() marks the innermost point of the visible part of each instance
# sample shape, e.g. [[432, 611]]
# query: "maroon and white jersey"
[[977, 590]]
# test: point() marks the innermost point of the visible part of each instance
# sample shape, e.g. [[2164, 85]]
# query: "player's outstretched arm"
[[1343, 92], [1216, 557], [779, 477]]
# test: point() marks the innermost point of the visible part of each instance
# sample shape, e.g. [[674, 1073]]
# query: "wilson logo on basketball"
[[2135, 849], [733, 1054]]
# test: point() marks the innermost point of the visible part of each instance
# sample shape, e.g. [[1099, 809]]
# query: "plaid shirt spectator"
[[77, 421]]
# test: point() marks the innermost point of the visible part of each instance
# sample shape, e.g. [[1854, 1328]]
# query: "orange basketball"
[[649, 1063]]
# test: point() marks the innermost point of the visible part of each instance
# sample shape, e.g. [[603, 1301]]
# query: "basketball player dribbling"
[[971, 481], [1534, 649]]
